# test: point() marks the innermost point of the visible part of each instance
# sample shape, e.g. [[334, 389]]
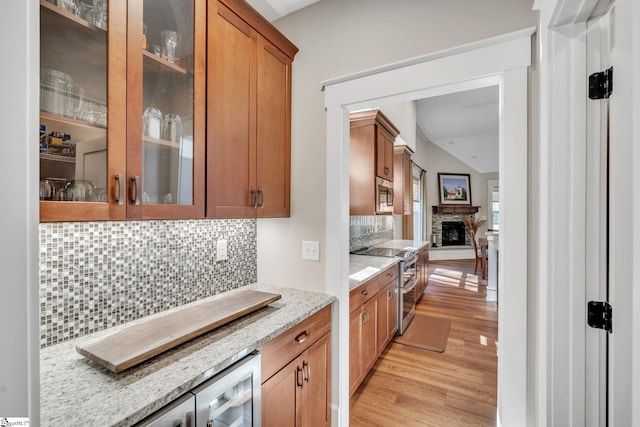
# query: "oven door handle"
[[408, 263], [406, 290]]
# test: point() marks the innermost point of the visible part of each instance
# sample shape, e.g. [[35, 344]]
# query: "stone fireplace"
[[453, 233], [447, 226]]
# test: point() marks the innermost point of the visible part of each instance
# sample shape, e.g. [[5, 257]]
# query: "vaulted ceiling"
[[465, 124]]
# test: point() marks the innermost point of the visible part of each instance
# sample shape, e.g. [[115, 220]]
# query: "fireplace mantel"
[[453, 209]]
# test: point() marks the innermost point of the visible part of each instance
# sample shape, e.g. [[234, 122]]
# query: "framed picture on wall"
[[454, 188]]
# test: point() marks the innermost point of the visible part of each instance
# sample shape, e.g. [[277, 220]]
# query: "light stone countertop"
[[358, 263], [401, 244], [78, 392]]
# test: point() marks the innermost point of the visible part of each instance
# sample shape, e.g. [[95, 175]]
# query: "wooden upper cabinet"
[[248, 114], [113, 166], [372, 136], [403, 181], [82, 95], [384, 153]]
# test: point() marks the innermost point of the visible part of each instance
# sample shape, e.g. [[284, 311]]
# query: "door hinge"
[[600, 315], [601, 84]]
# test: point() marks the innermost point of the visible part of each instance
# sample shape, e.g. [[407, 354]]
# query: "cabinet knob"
[[386, 170], [365, 293]]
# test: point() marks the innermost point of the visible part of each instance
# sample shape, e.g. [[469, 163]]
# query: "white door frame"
[[502, 61], [565, 394]]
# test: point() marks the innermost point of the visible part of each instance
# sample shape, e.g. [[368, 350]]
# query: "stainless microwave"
[[384, 196]]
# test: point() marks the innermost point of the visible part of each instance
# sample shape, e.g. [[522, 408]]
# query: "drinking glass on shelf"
[[155, 49], [172, 128], [69, 6], [100, 13], [86, 12], [151, 122], [170, 46]]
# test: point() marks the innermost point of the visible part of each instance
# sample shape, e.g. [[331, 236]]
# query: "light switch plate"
[[221, 251], [311, 250]]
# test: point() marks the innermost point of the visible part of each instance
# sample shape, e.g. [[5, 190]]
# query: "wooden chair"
[[472, 225], [484, 256]]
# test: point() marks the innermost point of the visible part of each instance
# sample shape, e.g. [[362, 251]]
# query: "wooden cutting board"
[[137, 343]]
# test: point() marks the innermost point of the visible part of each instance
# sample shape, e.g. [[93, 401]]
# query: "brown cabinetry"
[[97, 81], [372, 323], [402, 181], [371, 156], [248, 114], [296, 375], [387, 315], [422, 270]]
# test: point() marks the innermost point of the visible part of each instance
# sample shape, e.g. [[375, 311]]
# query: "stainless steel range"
[[407, 282]]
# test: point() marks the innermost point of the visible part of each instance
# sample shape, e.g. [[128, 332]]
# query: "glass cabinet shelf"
[[57, 16], [158, 65], [164, 142], [57, 158]]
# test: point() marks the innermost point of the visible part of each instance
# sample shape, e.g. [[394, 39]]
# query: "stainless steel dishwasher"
[[231, 398]]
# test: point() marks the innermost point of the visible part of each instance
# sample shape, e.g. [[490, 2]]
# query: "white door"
[[609, 234]]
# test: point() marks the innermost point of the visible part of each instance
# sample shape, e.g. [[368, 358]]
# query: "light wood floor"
[[414, 387]]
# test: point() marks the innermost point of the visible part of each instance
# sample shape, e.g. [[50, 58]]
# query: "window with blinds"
[[416, 190]]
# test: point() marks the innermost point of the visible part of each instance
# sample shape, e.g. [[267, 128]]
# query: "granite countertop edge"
[[358, 263], [77, 391]]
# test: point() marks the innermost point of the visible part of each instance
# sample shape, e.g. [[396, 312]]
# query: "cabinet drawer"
[[363, 293], [278, 352], [388, 276]]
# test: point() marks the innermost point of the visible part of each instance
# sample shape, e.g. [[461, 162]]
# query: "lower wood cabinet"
[[387, 314], [363, 350], [299, 393], [422, 267], [372, 323]]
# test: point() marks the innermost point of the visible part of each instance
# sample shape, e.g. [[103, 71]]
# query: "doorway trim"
[[502, 61]]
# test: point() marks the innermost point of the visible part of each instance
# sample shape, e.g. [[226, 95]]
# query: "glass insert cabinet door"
[[162, 103], [73, 101], [122, 109]]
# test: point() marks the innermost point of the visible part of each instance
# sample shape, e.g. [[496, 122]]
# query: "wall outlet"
[[221, 251], [311, 250]]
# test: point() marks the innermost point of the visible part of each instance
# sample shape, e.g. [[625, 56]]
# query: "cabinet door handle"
[[390, 294], [254, 199], [302, 337], [120, 188], [305, 365], [261, 199], [365, 317], [386, 170], [135, 183], [299, 377]]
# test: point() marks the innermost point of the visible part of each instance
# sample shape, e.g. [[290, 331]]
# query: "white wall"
[[338, 37], [403, 117]]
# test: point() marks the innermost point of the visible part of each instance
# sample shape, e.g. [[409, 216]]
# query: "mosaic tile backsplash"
[[369, 230], [95, 275]]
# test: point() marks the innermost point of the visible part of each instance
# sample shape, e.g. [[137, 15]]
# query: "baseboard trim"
[[443, 255]]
